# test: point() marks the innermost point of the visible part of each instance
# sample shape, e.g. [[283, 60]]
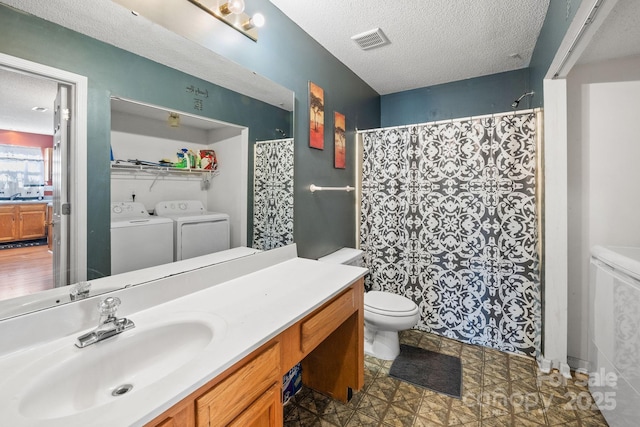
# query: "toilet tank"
[[348, 256]]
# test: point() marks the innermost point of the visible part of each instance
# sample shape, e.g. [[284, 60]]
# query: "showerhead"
[[284, 135], [517, 101]]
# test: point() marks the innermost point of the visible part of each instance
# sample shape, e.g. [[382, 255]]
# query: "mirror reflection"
[[178, 186], [150, 148], [26, 187]]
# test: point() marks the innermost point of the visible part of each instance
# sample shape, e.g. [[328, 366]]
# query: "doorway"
[[66, 191]]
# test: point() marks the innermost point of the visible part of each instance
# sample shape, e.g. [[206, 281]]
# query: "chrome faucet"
[[108, 325], [15, 196]]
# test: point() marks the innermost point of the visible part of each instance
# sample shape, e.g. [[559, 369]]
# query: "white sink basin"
[[70, 380]]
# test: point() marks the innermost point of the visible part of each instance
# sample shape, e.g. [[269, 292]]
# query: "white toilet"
[[385, 313]]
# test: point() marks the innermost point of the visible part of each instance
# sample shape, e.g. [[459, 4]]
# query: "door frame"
[[77, 161]]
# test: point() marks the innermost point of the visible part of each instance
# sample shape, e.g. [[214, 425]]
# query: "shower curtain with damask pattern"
[[448, 219], [272, 193]]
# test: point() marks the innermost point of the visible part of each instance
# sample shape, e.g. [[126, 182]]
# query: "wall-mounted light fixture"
[[231, 12]]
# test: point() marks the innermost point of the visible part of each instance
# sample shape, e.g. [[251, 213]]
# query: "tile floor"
[[498, 389]]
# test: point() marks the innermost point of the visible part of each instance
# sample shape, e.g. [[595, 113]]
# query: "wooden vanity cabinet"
[[180, 415], [22, 222], [330, 344], [248, 395]]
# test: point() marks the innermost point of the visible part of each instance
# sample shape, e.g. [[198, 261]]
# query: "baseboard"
[[578, 365], [547, 365]]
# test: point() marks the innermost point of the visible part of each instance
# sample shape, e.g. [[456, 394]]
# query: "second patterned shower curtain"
[[448, 219]]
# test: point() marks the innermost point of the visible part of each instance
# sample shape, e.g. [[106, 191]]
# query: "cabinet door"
[[32, 221], [264, 412], [182, 416], [233, 396], [8, 228]]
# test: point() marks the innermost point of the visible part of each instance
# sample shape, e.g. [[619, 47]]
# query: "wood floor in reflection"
[[25, 270]]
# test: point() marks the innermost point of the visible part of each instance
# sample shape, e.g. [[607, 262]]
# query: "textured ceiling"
[[19, 93], [431, 41], [619, 35], [112, 23]]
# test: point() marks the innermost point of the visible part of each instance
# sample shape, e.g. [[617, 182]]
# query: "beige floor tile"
[[498, 389], [594, 421], [432, 418], [359, 419], [398, 417], [463, 415], [373, 407], [500, 421]]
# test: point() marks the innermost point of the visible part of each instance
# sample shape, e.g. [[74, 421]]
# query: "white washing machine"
[[196, 231], [138, 240]]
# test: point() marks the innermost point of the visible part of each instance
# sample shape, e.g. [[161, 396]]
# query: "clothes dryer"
[[138, 240], [196, 231]]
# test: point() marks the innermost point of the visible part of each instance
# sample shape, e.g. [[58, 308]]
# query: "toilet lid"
[[392, 304]]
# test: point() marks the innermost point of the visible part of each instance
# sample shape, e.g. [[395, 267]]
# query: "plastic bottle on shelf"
[[181, 163], [192, 159], [185, 154]]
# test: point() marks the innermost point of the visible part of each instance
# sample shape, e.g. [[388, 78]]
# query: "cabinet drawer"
[[7, 208], [221, 404], [33, 208], [319, 326]]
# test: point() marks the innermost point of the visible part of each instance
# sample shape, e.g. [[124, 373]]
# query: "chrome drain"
[[123, 389]]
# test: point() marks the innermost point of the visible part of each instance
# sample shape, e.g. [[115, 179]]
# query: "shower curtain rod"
[[460, 119], [268, 141]]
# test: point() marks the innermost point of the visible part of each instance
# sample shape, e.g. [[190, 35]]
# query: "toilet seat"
[[388, 304]]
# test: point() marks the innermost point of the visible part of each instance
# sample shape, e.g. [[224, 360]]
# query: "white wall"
[[228, 191], [603, 177], [135, 137], [555, 225]]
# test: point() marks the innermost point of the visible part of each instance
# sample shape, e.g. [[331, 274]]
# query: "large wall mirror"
[[142, 131]]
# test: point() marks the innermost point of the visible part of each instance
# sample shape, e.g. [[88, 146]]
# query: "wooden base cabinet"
[[330, 344], [32, 221], [22, 222], [8, 224]]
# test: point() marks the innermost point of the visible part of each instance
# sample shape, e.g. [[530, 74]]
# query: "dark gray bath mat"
[[428, 369]]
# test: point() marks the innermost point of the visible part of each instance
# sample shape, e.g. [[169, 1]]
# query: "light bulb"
[[257, 20], [233, 6]]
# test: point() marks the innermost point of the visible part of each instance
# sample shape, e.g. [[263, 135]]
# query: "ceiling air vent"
[[370, 39]]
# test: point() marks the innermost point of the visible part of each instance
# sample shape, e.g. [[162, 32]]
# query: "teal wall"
[[112, 71], [553, 30], [464, 98], [287, 55]]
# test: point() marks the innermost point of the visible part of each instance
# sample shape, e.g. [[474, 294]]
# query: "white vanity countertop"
[[255, 308]]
